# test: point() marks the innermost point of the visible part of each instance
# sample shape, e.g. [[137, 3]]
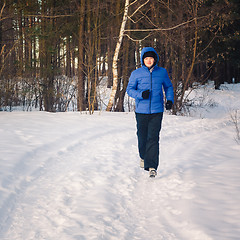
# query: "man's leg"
[[142, 132], [151, 159]]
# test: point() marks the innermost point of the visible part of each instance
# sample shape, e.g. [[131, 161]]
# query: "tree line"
[[55, 51]]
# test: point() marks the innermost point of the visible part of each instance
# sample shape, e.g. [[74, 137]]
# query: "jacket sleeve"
[[168, 87], [132, 90]]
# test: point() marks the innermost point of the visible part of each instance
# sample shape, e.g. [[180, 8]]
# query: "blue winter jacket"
[[142, 79]]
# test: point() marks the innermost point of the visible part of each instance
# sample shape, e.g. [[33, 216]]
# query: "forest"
[[56, 53]]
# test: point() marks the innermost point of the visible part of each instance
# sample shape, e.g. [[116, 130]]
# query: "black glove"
[[169, 104], [145, 94]]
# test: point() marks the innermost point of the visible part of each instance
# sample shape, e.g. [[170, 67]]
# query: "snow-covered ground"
[[74, 176]]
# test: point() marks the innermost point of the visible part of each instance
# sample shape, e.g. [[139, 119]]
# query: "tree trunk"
[[81, 75], [123, 85], [68, 57], [115, 57]]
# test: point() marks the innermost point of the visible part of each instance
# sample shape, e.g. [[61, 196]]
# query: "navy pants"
[[148, 129]]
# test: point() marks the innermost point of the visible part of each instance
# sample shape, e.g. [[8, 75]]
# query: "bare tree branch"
[[137, 40], [164, 29], [8, 53], [139, 19], [163, 3], [215, 35], [139, 8], [2, 49], [4, 4], [145, 15], [132, 3], [42, 16]]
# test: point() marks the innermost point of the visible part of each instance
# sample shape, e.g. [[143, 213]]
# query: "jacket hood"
[[148, 49]]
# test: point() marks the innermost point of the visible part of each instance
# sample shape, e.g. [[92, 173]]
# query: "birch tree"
[[115, 57]]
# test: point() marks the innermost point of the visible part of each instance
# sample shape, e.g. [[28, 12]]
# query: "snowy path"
[[75, 176]]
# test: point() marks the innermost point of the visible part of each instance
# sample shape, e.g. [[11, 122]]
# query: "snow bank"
[[75, 176]]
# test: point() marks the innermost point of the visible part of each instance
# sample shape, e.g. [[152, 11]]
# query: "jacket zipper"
[[150, 105]]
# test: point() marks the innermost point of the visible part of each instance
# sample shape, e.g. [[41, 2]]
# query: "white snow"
[[71, 175]]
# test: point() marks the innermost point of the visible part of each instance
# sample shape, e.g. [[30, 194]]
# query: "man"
[[146, 85]]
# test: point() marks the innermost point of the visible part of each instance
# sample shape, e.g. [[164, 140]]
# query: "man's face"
[[148, 61]]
